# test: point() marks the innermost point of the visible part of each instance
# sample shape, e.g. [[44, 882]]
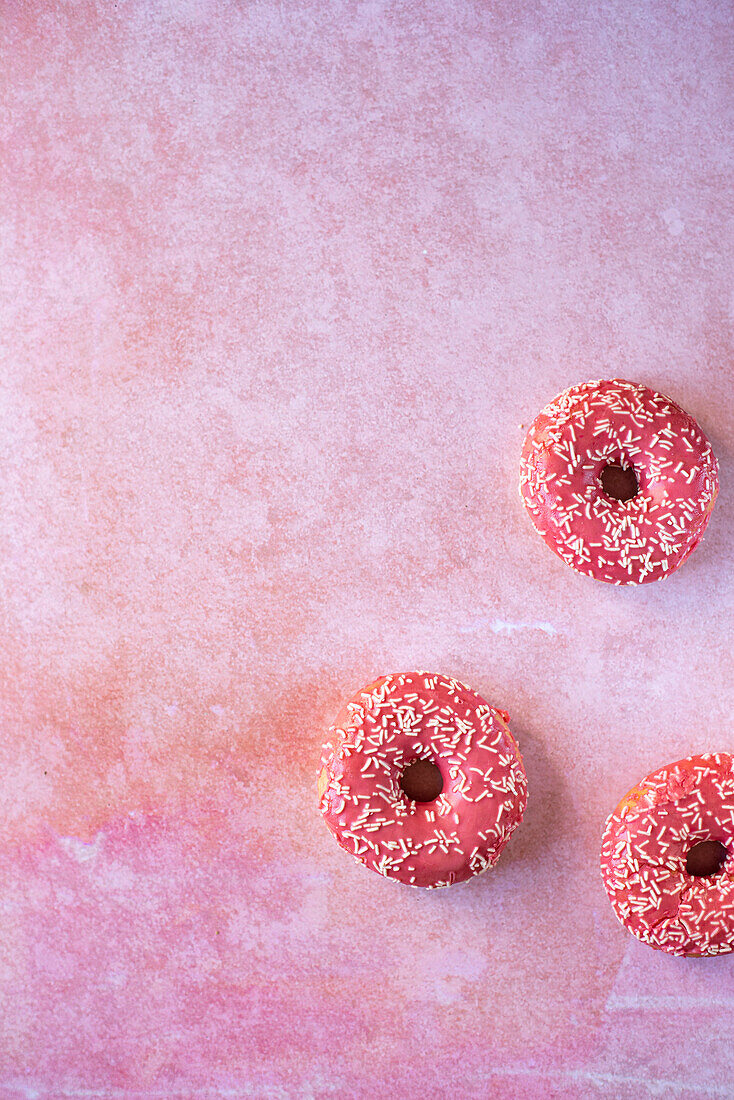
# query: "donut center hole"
[[422, 781], [619, 482], [705, 858]]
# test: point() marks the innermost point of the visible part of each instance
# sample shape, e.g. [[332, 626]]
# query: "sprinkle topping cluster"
[[643, 857], [616, 422], [391, 723]]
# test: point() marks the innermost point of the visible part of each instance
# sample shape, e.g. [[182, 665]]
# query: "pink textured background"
[[281, 283]]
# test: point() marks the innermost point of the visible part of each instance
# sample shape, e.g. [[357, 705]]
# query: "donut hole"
[[705, 858], [619, 482], [422, 781]]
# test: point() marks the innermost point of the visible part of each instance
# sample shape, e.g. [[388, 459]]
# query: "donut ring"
[[379, 735], [667, 857], [644, 527]]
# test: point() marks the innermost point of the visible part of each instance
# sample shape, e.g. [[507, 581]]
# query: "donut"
[[667, 857], [423, 781], [618, 480]]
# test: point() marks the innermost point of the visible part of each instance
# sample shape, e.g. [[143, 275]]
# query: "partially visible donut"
[[667, 857], [391, 743], [618, 480]]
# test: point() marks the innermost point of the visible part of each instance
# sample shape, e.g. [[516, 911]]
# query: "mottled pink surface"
[[281, 285]]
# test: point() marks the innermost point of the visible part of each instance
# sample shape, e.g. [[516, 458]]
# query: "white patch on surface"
[[499, 626], [502, 626], [17, 1088], [673, 221], [80, 850], [612, 1084]]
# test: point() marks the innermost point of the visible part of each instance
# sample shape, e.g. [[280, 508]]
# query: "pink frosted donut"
[[618, 480], [423, 782], [667, 857]]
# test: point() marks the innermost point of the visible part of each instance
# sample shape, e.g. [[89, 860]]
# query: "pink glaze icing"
[[616, 422], [420, 715], [643, 857]]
